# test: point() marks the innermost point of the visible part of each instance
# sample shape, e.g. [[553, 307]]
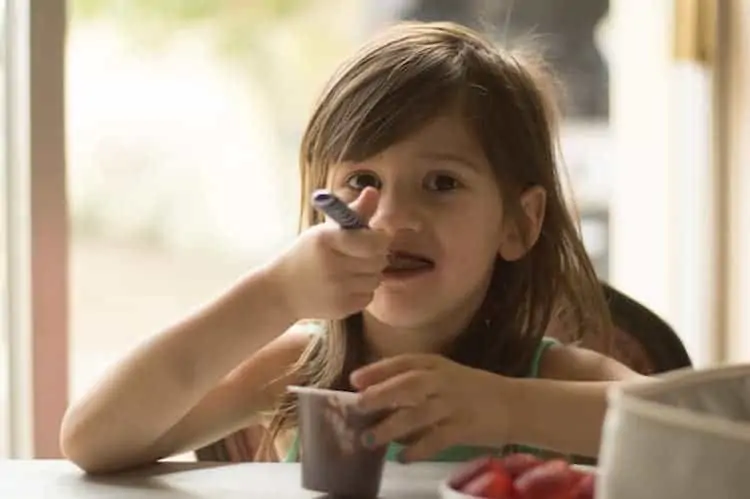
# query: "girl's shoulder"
[[576, 363], [545, 344], [307, 328], [291, 343], [289, 346]]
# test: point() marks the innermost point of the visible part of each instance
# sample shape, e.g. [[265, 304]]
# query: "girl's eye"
[[358, 181], [442, 182]]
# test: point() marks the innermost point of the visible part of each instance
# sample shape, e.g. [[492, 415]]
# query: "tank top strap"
[[546, 343]]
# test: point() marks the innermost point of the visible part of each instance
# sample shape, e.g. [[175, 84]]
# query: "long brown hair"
[[389, 89]]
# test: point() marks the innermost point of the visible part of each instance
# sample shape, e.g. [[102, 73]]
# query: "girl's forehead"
[[447, 138], [449, 131]]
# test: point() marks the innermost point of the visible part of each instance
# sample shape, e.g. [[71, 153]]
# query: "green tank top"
[[458, 453]]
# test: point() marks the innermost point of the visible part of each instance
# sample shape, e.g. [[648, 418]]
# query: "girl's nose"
[[396, 212]]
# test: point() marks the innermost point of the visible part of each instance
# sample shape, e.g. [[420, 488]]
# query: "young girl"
[[446, 147]]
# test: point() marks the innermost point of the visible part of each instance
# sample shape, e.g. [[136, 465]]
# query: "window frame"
[[36, 219]]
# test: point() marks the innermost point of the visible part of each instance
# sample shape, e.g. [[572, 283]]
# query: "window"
[[184, 122], [4, 295], [34, 262]]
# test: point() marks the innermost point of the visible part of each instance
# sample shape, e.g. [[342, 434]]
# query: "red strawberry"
[[465, 473], [491, 484], [519, 463], [578, 474], [584, 488], [550, 480]]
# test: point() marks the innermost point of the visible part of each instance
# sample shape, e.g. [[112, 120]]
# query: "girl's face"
[[441, 202]]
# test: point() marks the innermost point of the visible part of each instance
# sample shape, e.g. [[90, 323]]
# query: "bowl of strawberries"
[[518, 476]]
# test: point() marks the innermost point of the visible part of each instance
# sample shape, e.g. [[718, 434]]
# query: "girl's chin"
[[400, 313]]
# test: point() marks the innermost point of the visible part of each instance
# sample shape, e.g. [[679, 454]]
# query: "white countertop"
[[31, 479]]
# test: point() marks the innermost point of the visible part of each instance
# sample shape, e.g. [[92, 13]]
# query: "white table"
[[61, 480]]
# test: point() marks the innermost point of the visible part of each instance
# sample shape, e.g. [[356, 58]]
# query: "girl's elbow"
[[79, 445], [75, 446], [75, 450]]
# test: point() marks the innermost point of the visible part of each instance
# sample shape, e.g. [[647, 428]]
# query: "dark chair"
[[642, 340], [242, 446], [215, 452]]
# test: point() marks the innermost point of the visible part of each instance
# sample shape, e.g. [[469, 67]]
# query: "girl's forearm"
[[563, 416], [159, 382]]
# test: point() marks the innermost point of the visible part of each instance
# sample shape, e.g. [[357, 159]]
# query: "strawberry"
[[493, 483], [519, 463], [468, 471], [584, 487], [550, 480], [578, 474]]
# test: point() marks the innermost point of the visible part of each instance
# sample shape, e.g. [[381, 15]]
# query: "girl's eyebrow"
[[344, 165], [449, 157], [429, 155]]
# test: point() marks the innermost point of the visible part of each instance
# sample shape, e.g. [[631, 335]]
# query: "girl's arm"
[[168, 394], [176, 393], [564, 409]]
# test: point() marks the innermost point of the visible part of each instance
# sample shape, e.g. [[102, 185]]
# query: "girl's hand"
[[330, 272], [437, 404]]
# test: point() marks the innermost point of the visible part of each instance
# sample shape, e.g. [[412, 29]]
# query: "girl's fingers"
[[404, 389], [440, 436], [406, 422]]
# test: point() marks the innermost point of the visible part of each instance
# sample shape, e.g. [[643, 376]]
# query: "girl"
[[445, 146]]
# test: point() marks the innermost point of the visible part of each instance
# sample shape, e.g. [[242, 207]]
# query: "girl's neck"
[[384, 340]]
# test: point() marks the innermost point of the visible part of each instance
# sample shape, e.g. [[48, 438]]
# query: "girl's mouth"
[[403, 265]]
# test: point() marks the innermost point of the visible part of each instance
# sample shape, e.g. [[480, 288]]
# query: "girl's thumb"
[[366, 203]]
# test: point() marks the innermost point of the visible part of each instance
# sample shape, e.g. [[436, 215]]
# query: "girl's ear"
[[515, 243]]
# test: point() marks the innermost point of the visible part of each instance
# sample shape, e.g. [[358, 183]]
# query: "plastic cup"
[[334, 460]]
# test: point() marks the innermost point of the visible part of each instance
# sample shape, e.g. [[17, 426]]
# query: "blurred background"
[[182, 121]]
